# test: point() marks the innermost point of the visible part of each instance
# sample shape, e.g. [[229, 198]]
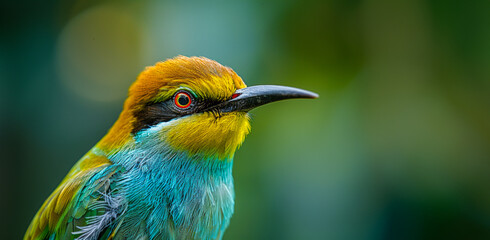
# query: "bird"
[[164, 169]]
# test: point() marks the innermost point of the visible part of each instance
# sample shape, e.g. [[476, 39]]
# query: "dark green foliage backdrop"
[[396, 147]]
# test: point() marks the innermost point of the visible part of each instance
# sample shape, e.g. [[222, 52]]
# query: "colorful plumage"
[[164, 170]]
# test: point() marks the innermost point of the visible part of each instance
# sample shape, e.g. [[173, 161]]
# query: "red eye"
[[182, 100]]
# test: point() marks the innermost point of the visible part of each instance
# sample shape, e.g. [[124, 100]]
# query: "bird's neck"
[[149, 152]]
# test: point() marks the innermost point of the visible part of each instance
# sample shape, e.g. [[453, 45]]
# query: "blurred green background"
[[396, 147]]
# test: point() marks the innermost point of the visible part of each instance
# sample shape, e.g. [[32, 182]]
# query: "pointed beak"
[[246, 99]]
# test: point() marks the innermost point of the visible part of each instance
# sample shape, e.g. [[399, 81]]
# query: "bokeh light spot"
[[98, 53]]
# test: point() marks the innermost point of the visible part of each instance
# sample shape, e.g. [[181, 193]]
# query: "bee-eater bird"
[[164, 169]]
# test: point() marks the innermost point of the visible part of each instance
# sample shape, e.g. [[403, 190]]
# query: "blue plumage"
[[169, 193]]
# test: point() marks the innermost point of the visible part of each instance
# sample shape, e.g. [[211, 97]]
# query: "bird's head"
[[192, 104]]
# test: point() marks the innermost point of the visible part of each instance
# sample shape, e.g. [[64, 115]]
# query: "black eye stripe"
[[151, 115], [154, 113]]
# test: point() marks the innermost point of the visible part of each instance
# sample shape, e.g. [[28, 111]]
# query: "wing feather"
[[72, 203]]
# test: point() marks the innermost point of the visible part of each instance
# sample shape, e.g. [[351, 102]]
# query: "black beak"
[[246, 99]]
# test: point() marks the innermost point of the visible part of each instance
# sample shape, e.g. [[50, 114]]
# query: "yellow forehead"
[[205, 77], [213, 87]]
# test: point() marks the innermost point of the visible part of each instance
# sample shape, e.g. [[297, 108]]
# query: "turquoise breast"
[[171, 194]]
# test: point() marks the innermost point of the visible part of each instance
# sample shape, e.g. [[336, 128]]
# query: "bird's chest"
[[178, 201]]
